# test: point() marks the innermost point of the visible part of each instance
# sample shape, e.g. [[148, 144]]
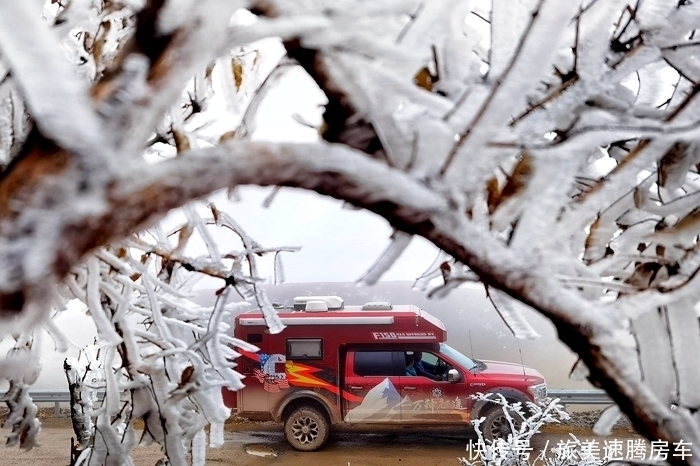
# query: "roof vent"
[[377, 306], [331, 302]]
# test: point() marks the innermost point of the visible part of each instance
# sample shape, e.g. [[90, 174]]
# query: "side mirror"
[[453, 376]]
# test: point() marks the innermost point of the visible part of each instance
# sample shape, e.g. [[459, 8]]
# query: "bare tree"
[[555, 160]]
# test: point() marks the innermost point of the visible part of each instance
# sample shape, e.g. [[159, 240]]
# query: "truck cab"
[[374, 364]]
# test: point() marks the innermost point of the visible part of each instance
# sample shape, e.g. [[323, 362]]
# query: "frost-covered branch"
[[174, 361], [523, 423], [565, 132]]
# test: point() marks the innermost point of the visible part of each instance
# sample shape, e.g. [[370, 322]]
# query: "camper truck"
[[374, 364]]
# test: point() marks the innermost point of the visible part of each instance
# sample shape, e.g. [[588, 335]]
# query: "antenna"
[[470, 342], [522, 363]]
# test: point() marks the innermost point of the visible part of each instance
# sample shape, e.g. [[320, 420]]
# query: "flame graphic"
[[300, 375], [248, 354]]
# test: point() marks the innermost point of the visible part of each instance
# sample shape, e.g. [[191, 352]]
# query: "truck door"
[[254, 397], [429, 397], [372, 379]]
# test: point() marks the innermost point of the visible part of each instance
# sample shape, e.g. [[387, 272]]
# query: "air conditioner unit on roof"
[[332, 302], [316, 306]]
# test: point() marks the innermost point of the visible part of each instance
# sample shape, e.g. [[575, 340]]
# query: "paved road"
[[255, 445]]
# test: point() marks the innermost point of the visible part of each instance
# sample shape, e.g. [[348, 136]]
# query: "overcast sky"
[[337, 244]]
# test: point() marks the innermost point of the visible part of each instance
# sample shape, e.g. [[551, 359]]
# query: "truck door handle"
[[409, 387], [355, 387]]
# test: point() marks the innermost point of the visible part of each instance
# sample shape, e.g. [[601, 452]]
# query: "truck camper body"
[[374, 364]]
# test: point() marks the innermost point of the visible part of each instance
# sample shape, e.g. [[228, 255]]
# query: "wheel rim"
[[305, 429], [500, 428]]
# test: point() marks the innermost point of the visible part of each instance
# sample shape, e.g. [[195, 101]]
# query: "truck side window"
[[304, 348], [376, 363], [430, 358]]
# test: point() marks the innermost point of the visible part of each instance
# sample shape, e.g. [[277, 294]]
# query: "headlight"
[[539, 392]]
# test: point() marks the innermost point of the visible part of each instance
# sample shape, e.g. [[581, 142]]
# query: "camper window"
[[304, 348]]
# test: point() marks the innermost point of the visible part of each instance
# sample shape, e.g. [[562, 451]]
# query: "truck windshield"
[[464, 361]]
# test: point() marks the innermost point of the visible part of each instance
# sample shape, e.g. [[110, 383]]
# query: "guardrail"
[[567, 397], [580, 397], [53, 396]]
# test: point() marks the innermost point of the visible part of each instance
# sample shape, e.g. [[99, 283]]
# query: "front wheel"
[[306, 429], [496, 424]]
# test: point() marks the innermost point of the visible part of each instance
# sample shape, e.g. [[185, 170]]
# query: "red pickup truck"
[[372, 364]]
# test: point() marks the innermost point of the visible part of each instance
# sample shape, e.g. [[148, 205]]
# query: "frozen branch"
[[593, 224], [60, 106]]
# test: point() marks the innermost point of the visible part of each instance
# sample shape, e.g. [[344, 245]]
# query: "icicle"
[[607, 420], [271, 197], [216, 434], [579, 371], [104, 326], [399, 243], [199, 449], [683, 328], [279, 270], [214, 346], [156, 312], [422, 282], [272, 320], [61, 342], [444, 290], [512, 315], [199, 225]]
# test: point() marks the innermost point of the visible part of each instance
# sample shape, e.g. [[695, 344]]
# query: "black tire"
[[496, 424], [306, 429]]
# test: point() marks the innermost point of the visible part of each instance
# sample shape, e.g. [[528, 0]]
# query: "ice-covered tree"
[[548, 147]]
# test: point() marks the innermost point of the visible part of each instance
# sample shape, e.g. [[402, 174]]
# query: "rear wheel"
[[496, 424], [306, 429]]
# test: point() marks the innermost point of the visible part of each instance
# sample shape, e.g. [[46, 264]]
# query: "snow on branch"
[[60, 105], [21, 369], [554, 160], [164, 358]]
